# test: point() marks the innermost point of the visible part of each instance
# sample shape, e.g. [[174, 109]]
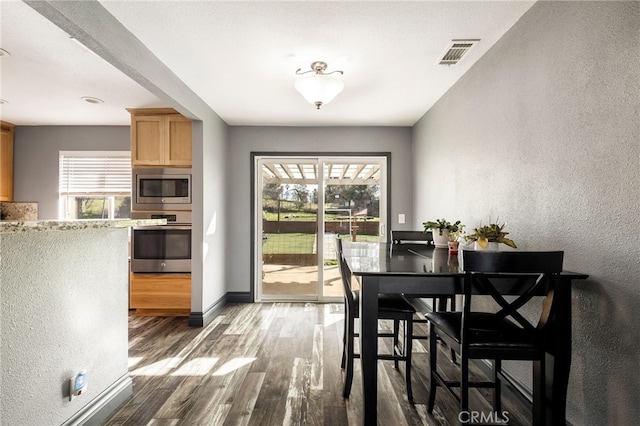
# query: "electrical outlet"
[[77, 385], [401, 218]]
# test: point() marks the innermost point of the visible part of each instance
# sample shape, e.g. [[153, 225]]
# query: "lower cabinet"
[[160, 294]]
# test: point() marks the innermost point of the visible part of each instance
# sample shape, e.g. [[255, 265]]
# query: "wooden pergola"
[[334, 173]]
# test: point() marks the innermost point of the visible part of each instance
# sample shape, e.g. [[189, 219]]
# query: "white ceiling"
[[241, 57]]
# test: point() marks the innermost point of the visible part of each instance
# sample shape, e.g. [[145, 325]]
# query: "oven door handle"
[[163, 228]]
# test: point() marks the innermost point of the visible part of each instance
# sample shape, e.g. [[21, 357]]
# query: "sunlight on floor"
[[159, 368], [233, 365], [134, 360], [196, 367], [333, 313]]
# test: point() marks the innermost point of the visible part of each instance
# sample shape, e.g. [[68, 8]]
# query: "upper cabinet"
[[6, 162], [160, 137]]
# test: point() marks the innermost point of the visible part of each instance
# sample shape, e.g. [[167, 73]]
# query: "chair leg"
[[497, 391], [408, 348], [453, 308], [464, 383], [540, 391], [433, 351], [348, 377], [396, 340]]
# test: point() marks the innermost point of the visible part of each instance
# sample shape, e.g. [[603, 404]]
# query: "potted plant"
[[488, 237], [441, 229], [455, 233]]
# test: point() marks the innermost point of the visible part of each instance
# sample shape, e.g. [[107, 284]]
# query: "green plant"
[[456, 232], [490, 233], [444, 225]]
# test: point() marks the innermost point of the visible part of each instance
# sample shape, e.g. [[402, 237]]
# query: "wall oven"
[[161, 189], [161, 249]]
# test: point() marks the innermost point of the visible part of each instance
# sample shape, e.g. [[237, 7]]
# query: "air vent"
[[456, 51]]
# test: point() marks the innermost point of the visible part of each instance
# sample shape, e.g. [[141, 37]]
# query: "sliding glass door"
[[302, 204]]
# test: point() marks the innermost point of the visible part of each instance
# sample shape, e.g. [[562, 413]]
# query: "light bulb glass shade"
[[319, 88]]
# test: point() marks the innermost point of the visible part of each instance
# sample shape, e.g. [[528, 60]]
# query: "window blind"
[[94, 172]]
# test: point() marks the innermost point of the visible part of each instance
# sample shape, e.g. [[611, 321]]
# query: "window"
[[95, 185]]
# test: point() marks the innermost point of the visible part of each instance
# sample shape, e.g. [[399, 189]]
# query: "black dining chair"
[[390, 307], [407, 240], [411, 237], [500, 333]]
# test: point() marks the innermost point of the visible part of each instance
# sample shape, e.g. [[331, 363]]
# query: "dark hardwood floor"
[[270, 364]]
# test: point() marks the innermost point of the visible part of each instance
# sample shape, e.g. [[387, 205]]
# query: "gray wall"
[[543, 133], [36, 150], [244, 140], [63, 310], [210, 224]]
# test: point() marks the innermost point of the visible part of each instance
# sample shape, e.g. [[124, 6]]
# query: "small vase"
[[453, 246], [491, 246], [440, 241]]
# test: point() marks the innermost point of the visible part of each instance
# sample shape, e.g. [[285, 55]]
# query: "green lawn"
[[364, 238], [292, 243], [288, 243]]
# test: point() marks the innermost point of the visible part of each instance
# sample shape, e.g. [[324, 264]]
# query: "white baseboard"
[[104, 404]]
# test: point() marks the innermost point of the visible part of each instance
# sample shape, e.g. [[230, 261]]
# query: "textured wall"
[[244, 140], [543, 133], [63, 309], [36, 151]]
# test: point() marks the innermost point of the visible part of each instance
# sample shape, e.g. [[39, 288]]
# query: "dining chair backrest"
[[345, 272], [338, 246], [513, 261], [533, 274], [411, 237]]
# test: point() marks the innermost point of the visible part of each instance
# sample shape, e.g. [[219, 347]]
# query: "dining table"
[[421, 270]]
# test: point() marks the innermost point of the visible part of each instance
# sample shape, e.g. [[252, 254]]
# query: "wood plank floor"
[[270, 364]]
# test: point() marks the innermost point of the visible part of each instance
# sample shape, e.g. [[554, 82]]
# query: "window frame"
[[100, 190]]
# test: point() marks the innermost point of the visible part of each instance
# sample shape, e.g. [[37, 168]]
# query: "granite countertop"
[[71, 225]]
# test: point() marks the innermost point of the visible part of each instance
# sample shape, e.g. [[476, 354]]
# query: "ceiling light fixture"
[[319, 88], [92, 100]]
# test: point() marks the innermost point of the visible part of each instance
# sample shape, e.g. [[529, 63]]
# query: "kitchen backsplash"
[[18, 211]]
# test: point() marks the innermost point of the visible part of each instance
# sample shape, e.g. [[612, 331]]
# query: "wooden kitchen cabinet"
[[6, 162], [160, 137], [160, 294]]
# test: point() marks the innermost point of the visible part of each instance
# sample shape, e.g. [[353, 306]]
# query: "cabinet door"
[[147, 136], [160, 291], [178, 141], [6, 165]]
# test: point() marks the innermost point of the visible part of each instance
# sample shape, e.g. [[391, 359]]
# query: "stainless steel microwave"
[[161, 189]]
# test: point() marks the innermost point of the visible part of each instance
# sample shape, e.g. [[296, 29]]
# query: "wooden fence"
[[308, 227]]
